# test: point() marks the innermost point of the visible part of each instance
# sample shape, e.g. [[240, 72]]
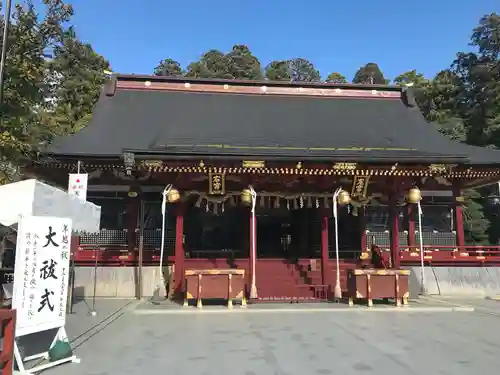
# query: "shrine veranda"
[[294, 144]]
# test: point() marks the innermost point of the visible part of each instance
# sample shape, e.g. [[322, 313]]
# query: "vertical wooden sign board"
[[41, 283]]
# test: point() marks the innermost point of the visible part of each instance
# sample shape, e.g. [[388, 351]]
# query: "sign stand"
[[41, 281], [60, 336]]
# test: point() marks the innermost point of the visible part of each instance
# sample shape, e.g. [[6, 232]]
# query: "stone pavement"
[[297, 342]]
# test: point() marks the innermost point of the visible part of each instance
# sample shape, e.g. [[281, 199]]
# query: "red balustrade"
[[451, 255], [8, 319]]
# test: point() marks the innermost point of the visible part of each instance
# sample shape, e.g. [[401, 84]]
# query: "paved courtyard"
[[293, 342]]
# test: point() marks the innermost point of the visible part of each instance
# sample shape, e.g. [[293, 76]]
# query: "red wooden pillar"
[[179, 251], [411, 226], [362, 228], [394, 229], [325, 256], [252, 258], [459, 219]]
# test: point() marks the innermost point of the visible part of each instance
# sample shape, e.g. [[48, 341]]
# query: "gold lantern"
[[343, 198], [414, 195], [173, 195], [246, 197]]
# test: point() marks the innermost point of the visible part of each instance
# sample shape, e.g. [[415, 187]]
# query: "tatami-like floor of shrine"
[[433, 338]]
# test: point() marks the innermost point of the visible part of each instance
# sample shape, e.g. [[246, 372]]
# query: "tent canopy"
[[34, 198]]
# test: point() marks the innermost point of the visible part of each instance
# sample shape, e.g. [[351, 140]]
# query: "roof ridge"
[[241, 82]]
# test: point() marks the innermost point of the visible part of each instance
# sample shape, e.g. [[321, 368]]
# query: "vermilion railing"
[[8, 319], [483, 254], [435, 254]]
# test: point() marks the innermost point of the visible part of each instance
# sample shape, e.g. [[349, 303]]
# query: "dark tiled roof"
[[196, 123]]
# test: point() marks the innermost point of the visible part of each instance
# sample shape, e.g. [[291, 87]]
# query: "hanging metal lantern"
[[343, 198], [414, 195], [173, 196], [246, 197]]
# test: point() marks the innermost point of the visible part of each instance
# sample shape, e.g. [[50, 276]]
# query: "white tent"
[[34, 198]]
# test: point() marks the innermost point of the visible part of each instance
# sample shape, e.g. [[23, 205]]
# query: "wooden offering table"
[[373, 284], [224, 284]]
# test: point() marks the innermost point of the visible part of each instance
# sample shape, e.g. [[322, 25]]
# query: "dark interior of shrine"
[[281, 233]]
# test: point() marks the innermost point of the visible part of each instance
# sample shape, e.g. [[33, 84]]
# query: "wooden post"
[[325, 256], [132, 218], [459, 219], [411, 226], [141, 248], [133, 207], [362, 228], [394, 229], [179, 251]]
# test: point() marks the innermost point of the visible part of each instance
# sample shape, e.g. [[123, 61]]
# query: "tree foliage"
[[369, 74], [52, 81], [278, 70], [76, 76], [168, 67], [336, 78], [22, 126]]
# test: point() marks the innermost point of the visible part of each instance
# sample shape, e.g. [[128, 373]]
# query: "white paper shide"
[[77, 185], [41, 273]]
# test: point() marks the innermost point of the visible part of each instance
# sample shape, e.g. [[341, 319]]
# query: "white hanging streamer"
[[253, 287], [422, 272], [163, 221], [337, 260]]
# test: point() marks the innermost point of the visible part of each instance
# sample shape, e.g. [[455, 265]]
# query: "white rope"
[[163, 222], [337, 261], [422, 272], [253, 287]]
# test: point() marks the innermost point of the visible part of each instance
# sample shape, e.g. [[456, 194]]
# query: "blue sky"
[[134, 35]]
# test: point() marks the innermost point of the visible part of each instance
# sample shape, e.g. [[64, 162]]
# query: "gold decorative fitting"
[[152, 163], [253, 164], [299, 165], [246, 197], [414, 195], [217, 183], [437, 168], [360, 186], [173, 196], [343, 198], [202, 164], [459, 199], [147, 83], [345, 166]]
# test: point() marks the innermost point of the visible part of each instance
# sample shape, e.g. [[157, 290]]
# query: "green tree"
[[302, 70], [475, 224], [23, 129], [336, 78], [369, 74], [243, 64], [75, 81], [212, 64], [278, 70], [478, 73], [168, 67]]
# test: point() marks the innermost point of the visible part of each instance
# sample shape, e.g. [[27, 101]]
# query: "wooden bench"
[[224, 284]]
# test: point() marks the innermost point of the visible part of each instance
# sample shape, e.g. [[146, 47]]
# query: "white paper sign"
[[77, 185], [41, 273]]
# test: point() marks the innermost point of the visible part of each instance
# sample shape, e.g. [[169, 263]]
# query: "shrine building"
[[294, 145]]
